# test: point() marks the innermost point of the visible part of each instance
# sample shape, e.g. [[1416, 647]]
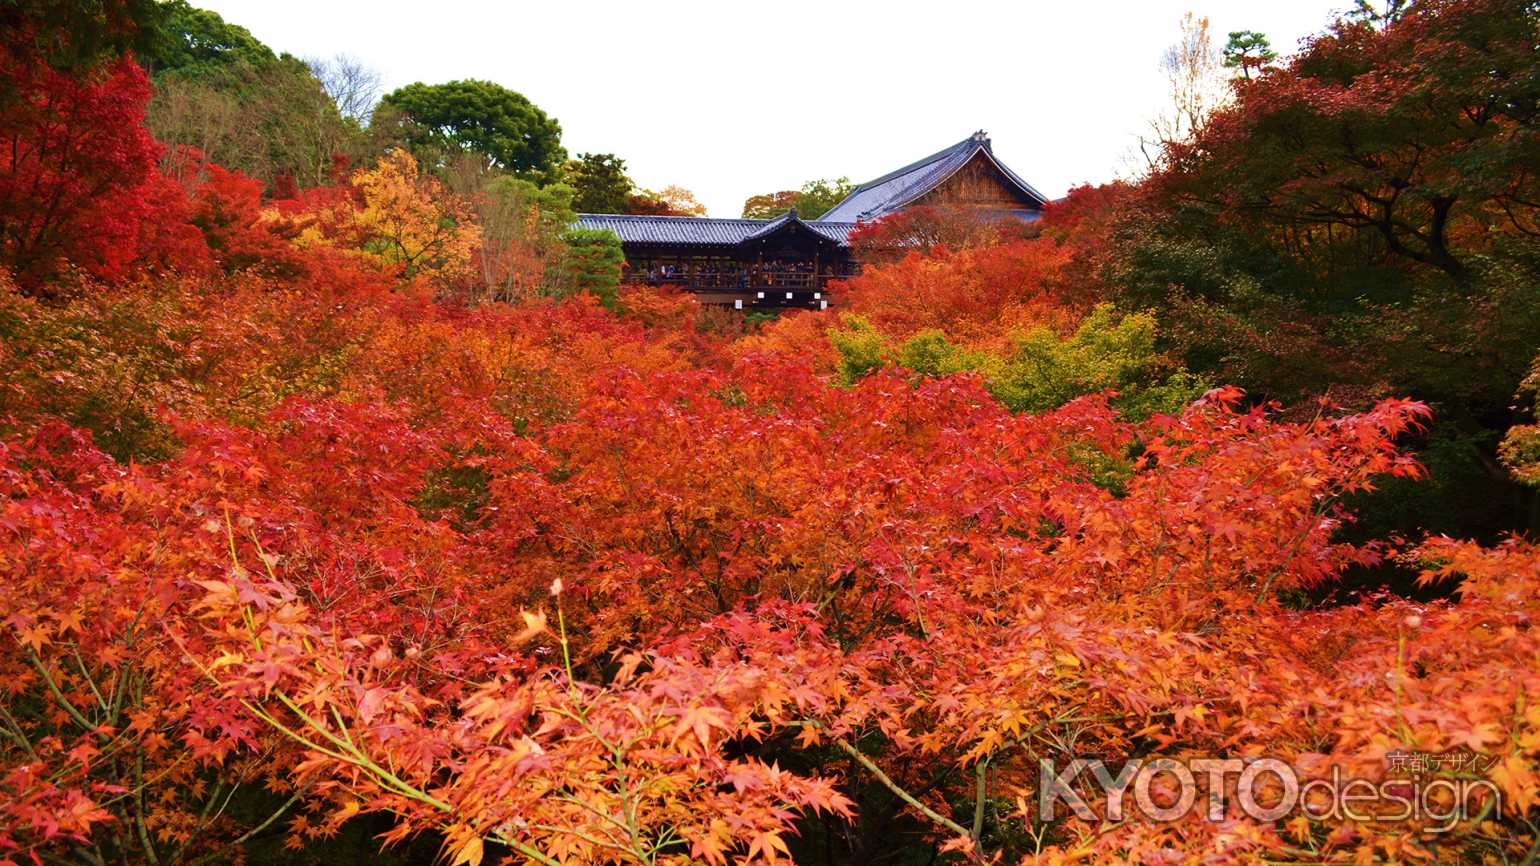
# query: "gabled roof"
[[790, 222], [880, 197], [704, 231]]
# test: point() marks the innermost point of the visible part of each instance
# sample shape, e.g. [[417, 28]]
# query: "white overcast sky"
[[729, 98]]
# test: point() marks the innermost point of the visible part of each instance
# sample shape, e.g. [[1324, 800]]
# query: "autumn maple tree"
[[1371, 131], [78, 185], [372, 515]]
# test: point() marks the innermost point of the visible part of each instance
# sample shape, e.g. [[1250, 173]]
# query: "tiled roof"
[[837, 232], [705, 231], [770, 227], [880, 197], [868, 201]]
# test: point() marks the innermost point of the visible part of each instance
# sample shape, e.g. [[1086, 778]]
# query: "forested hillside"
[[353, 510]]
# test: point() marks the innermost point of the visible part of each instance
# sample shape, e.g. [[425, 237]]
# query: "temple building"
[[787, 261]]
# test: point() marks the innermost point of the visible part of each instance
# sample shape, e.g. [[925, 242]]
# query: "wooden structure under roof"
[[788, 261]]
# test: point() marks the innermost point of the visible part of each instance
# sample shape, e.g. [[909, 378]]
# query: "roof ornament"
[[981, 135]]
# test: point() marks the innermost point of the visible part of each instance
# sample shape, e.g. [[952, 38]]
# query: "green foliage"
[[514, 209], [600, 182], [812, 201], [479, 117], [591, 263], [76, 34], [1248, 51], [769, 205], [221, 91], [1466, 352], [817, 196], [1106, 352], [1381, 14], [1520, 448], [1465, 490], [554, 202], [1520, 452], [521, 227], [930, 353], [197, 42], [862, 350]]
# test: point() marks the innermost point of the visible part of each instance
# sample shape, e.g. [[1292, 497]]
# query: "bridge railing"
[[785, 281]]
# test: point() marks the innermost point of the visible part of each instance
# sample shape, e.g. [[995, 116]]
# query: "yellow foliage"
[[394, 215], [409, 219]]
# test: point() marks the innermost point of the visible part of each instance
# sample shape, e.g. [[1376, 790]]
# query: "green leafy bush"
[[862, 350], [1107, 352], [591, 264]]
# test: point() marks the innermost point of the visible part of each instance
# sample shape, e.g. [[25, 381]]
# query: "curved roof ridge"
[[937, 176], [930, 180], [876, 198], [772, 226], [792, 218], [917, 164], [640, 216], [703, 231]]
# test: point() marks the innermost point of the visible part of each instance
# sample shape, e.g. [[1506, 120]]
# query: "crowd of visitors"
[[728, 274]]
